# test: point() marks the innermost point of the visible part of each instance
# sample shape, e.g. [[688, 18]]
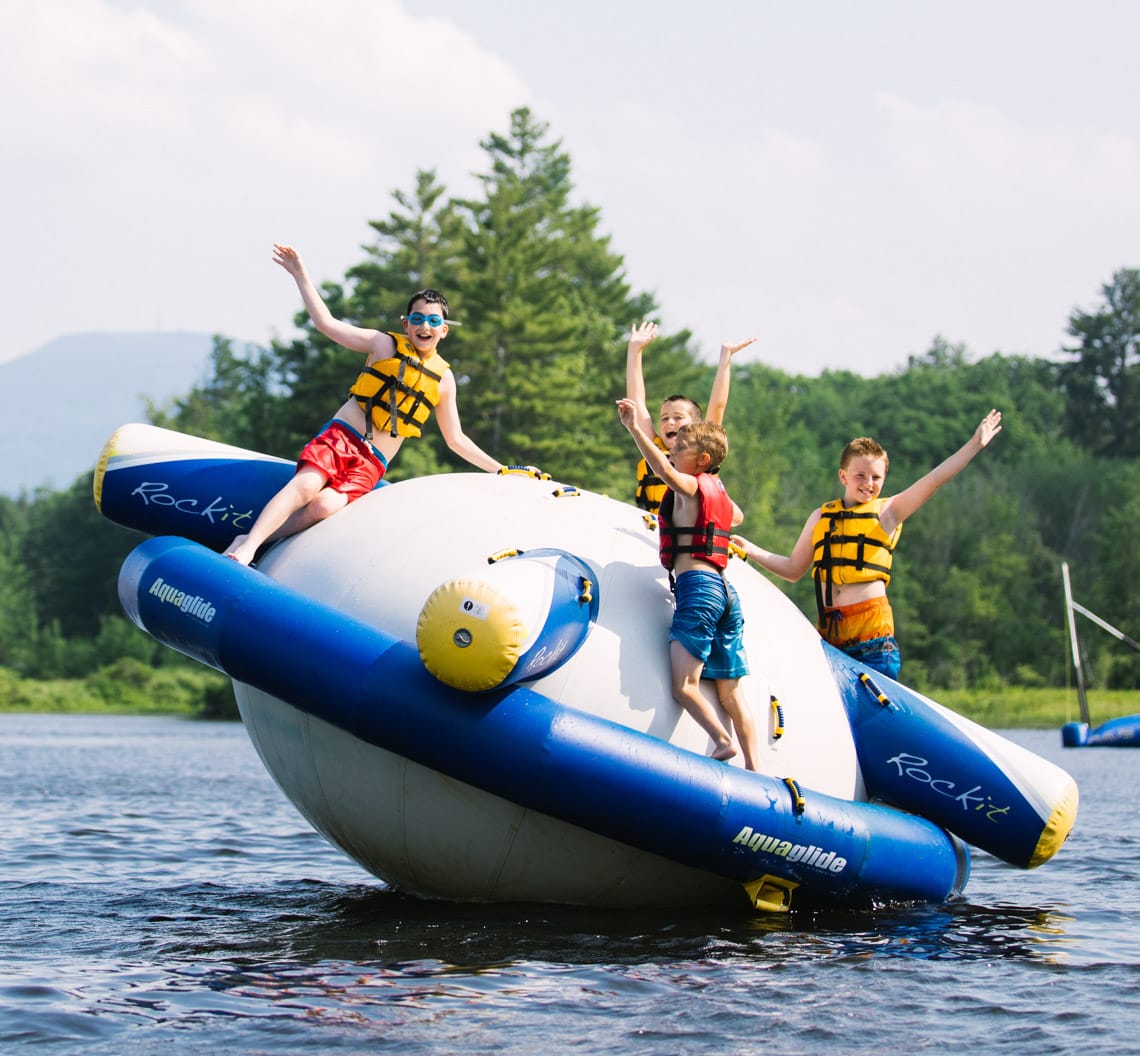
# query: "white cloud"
[[149, 162], [1002, 216], [845, 198], [976, 154]]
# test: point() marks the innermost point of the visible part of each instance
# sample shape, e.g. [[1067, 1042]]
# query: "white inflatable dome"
[[382, 557]]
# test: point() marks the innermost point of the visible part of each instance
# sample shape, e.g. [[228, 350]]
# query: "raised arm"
[[357, 338], [718, 398], [657, 460], [639, 337], [447, 415], [899, 507], [790, 567]]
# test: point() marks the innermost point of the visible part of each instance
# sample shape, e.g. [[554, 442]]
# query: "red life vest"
[[708, 538]]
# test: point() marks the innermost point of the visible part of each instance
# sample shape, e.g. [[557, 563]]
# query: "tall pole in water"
[[1075, 644]]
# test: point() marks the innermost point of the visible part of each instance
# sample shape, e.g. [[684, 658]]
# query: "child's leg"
[[735, 704], [686, 670], [303, 488], [324, 504]]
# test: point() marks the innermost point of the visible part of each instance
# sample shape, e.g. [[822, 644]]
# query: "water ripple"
[[179, 904]]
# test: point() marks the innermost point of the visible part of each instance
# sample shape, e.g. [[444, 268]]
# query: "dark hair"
[[429, 295], [677, 397]]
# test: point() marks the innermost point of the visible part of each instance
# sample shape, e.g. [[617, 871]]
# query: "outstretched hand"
[[641, 335], [627, 412], [730, 348], [989, 428], [287, 257]]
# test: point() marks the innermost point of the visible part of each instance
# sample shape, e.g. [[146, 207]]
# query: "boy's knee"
[[683, 686], [305, 490], [325, 503]]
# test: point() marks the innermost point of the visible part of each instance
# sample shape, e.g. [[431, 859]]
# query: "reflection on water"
[[159, 893]]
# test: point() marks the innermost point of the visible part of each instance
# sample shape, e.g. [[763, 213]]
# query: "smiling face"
[[423, 335], [862, 479], [676, 413]]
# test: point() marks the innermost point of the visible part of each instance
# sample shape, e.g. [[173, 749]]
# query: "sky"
[[844, 181]]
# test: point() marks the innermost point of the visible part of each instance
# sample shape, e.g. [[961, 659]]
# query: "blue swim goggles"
[[418, 319]]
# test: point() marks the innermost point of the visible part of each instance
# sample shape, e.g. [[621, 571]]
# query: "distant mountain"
[[60, 403]]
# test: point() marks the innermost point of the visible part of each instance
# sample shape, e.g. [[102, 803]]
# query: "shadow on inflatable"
[[462, 682]]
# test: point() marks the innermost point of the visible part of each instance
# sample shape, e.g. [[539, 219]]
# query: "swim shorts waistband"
[[342, 424], [862, 622]]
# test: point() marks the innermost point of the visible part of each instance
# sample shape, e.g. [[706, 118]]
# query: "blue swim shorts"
[[709, 623], [881, 654]]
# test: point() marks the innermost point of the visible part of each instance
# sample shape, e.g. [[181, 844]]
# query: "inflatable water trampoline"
[[462, 682]]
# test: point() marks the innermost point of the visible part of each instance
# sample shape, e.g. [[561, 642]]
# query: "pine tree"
[[547, 307], [418, 246], [244, 401]]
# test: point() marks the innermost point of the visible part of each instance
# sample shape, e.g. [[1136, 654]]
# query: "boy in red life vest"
[[849, 545], [706, 637], [404, 379], [676, 410]]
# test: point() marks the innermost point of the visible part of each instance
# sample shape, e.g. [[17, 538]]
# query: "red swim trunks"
[[351, 464]]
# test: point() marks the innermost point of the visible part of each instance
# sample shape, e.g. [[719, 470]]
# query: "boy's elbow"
[[794, 571]]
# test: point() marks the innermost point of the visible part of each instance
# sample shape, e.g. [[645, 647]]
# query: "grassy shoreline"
[[126, 687], [1020, 708], [131, 688]]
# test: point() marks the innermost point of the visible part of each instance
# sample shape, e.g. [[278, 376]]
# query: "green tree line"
[[546, 306]]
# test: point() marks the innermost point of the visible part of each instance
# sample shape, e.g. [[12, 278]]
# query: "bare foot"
[[723, 752], [240, 550]]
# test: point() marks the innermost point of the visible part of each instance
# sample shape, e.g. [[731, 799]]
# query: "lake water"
[[159, 894]]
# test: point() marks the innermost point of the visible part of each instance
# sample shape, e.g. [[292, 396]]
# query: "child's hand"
[[627, 411], [739, 544], [640, 336], [288, 258], [989, 428], [729, 348]]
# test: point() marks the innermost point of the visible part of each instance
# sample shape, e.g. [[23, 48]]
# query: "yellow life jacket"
[[850, 546], [398, 394], [650, 487]]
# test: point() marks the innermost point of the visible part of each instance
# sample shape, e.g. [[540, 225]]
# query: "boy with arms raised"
[[403, 380], [849, 545], [676, 411], [706, 637]]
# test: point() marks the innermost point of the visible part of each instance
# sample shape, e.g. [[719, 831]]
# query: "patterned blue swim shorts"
[[709, 623]]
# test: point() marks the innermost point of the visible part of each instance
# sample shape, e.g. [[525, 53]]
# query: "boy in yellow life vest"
[[849, 545], [404, 379], [676, 411], [706, 637]]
